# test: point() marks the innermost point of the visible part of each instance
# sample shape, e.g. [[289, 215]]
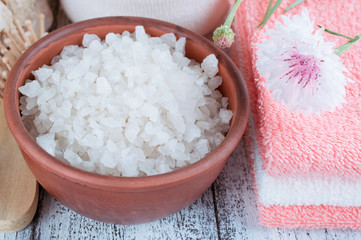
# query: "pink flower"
[[300, 68]]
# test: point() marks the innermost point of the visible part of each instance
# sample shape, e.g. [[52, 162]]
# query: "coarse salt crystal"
[[129, 105], [89, 38], [47, 142], [30, 89], [210, 65]]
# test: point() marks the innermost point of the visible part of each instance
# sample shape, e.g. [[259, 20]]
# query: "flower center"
[[303, 68]]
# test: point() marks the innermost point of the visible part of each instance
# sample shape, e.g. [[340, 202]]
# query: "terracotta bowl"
[[123, 200]]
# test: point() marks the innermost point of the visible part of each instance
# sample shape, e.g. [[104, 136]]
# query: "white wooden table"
[[227, 210]]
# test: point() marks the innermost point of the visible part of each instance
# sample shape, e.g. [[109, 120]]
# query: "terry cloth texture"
[[307, 170], [294, 144], [200, 16]]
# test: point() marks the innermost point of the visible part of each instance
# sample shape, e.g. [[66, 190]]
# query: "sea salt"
[[129, 105]]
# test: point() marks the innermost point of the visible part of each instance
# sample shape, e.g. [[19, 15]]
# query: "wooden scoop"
[[19, 190]]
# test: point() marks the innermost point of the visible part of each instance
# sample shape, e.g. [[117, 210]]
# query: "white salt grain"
[[180, 45], [129, 105], [225, 115], [43, 73], [72, 157], [169, 39], [202, 147], [102, 86], [30, 89], [89, 38], [47, 142], [131, 131], [215, 82], [108, 160], [210, 65], [140, 34]]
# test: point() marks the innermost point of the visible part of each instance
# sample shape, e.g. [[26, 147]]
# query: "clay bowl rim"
[[112, 183]]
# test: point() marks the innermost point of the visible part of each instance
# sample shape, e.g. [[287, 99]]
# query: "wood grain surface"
[[18, 188], [227, 210]]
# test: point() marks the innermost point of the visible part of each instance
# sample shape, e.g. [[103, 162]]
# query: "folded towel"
[[292, 143], [306, 168], [304, 201]]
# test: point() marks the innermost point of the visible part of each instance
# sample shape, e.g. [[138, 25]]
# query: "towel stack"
[[307, 169]]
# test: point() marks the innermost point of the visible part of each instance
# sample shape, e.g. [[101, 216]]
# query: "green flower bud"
[[223, 36]]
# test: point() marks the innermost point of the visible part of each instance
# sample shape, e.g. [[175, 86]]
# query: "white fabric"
[[201, 16]]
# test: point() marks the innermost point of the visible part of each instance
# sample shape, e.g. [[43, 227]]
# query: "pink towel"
[[306, 201], [306, 169], [295, 144]]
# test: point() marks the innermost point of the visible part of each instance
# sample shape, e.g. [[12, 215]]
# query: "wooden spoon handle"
[[19, 190]]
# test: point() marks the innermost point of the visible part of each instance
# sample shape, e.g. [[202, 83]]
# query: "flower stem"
[[344, 47], [223, 36], [269, 12], [294, 4], [231, 15], [337, 34]]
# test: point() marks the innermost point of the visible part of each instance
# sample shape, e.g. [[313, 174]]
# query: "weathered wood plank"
[[235, 206], [55, 221], [237, 212]]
